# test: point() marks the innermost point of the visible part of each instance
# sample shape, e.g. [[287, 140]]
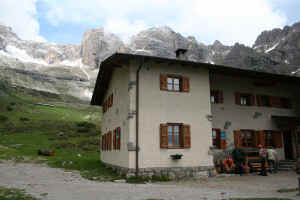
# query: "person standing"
[[238, 159], [263, 158], [272, 159]]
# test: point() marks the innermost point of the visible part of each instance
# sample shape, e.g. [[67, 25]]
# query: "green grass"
[[71, 131], [14, 194]]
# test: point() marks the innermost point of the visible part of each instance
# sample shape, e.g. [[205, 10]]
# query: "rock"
[[120, 181]]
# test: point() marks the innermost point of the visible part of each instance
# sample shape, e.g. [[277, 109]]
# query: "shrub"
[[24, 119], [9, 108], [3, 118], [86, 125]]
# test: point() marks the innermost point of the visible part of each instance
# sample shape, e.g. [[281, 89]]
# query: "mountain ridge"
[[72, 69]]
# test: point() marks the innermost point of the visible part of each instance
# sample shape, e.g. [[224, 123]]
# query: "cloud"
[[22, 17], [229, 21]]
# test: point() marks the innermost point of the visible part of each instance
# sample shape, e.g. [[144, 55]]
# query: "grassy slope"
[[71, 130]]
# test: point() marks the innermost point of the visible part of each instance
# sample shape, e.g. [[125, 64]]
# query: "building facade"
[[182, 111]]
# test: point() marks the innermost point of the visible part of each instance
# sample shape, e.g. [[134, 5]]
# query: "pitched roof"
[[119, 59]]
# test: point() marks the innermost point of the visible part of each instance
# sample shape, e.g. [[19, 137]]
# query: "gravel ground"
[[68, 185]]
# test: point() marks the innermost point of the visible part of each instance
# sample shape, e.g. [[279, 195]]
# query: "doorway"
[[288, 145]]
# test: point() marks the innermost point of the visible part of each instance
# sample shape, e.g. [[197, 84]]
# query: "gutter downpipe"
[[137, 148]]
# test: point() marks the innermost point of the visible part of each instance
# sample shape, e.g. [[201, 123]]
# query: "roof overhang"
[[120, 59]]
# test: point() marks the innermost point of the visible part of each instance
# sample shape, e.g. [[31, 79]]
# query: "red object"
[[52, 153]]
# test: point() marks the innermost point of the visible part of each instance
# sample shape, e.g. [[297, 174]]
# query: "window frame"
[[218, 96], [270, 134], [173, 77], [246, 140], [180, 135]]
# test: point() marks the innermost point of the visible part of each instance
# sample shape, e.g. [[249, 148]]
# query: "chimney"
[[181, 54]]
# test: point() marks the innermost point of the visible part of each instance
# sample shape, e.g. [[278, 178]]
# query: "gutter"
[[137, 149]]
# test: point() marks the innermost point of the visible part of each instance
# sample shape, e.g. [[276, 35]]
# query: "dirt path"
[[65, 185]]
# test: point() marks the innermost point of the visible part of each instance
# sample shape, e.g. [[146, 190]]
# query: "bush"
[[12, 103], [24, 119], [86, 125], [3, 118], [9, 108]]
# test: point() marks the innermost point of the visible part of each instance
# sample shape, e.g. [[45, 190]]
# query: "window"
[[216, 96], [244, 99], [175, 135], [269, 139], [107, 103], [174, 83], [263, 100], [216, 136], [285, 103], [247, 138]]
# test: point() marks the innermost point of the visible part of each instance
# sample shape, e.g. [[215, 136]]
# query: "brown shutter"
[[262, 138], [218, 138], [259, 100], [110, 140], [237, 98], [275, 102], [163, 82], [119, 139], [185, 84], [115, 139], [187, 136], [237, 139], [102, 143], [221, 98], [277, 139], [163, 136], [112, 99], [223, 144]]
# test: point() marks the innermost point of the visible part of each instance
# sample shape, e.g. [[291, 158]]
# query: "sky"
[[65, 21]]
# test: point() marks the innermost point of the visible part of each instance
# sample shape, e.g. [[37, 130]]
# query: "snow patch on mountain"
[[273, 47]]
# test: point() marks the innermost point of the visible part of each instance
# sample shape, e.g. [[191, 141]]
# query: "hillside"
[[32, 121]]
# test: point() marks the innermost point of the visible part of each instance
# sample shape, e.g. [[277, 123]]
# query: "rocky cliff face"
[[72, 69]]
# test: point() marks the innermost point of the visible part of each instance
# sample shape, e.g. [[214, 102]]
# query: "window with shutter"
[[118, 138], [216, 136], [174, 83], [175, 135], [216, 96], [115, 139], [244, 99], [247, 138]]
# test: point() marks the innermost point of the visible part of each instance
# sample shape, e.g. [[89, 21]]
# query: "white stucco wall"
[[157, 107], [241, 117], [116, 116]]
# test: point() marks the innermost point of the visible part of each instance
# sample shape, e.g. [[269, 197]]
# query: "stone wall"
[[173, 173]]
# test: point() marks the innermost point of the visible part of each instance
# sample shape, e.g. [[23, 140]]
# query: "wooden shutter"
[[112, 100], [218, 138], [259, 138], [163, 136], [115, 139], [185, 84], [237, 98], [220, 97], [252, 100], [237, 139], [102, 143], [275, 102], [163, 82], [223, 144], [110, 140], [259, 100], [277, 139], [187, 136], [119, 139]]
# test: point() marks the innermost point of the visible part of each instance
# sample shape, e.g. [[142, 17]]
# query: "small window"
[[174, 84], [247, 138], [269, 139], [244, 99], [173, 135], [216, 136], [216, 96]]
